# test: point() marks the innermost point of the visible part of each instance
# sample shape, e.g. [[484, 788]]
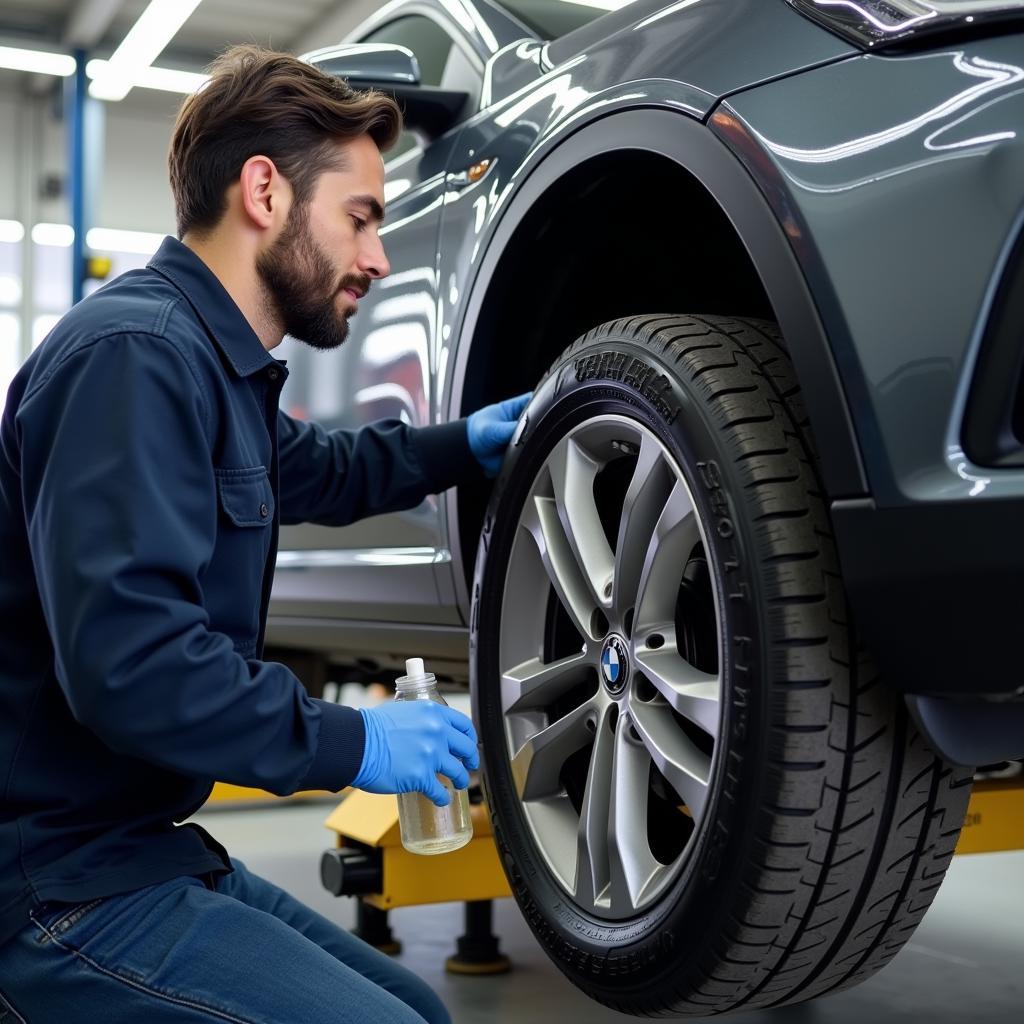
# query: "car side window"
[[443, 63]]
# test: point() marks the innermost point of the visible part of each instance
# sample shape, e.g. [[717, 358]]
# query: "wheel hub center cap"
[[614, 665]]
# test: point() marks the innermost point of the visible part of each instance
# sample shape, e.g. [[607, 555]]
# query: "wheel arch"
[[624, 183]]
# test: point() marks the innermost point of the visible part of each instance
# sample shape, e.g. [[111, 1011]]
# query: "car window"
[[550, 19], [431, 44], [443, 63]]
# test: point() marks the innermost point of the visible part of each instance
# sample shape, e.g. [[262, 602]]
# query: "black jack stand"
[[372, 927], [476, 952]]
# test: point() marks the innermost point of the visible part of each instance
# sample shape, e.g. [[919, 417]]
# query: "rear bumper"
[[938, 593]]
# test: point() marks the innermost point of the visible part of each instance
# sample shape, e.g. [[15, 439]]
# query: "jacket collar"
[[208, 297]]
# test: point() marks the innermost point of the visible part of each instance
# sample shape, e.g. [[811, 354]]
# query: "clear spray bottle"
[[425, 827]]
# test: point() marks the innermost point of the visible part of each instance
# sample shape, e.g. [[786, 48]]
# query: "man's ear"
[[265, 193]]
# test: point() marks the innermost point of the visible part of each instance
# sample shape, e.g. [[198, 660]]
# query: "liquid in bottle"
[[425, 827]]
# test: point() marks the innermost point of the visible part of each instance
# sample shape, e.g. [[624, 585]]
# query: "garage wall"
[[134, 193]]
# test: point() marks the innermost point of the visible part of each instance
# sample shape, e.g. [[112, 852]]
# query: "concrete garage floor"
[[965, 964]]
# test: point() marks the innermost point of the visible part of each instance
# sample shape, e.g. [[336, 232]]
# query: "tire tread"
[[858, 819]]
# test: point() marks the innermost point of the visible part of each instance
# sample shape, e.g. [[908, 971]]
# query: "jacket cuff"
[[445, 455], [339, 751]]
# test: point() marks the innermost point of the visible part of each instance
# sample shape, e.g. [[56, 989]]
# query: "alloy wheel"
[[611, 688]]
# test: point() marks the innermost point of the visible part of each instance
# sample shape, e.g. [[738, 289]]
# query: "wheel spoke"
[[642, 508], [558, 822], [540, 518], [592, 839], [674, 537], [632, 867], [694, 694], [535, 683], [537, 765], [685, 766], [573, 471]]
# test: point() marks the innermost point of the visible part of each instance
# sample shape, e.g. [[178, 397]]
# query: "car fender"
[[688, 143]]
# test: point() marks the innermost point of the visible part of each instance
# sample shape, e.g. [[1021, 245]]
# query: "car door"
[[382, 567]]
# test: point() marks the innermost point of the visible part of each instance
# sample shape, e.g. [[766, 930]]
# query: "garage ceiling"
[[100, 25]]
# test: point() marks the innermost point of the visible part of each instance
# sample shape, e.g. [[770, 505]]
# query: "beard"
[[300, 285]]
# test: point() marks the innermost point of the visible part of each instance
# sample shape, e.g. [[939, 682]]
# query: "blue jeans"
[[244, 952]]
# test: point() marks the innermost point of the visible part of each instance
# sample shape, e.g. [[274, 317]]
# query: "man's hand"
[[409, 742], [491, 428]]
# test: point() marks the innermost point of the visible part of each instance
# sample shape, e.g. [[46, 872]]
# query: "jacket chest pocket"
[[245, 496], [234, 584]]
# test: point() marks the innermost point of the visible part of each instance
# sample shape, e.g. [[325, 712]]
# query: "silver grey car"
[[742, 612]]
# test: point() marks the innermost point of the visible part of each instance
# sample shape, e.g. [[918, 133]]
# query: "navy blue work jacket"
[[144, 470]]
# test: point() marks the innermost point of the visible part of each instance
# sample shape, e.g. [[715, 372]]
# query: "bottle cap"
[[416, 677]]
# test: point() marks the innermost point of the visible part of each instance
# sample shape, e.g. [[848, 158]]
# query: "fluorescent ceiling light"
[[156, 27], [101, 239], [16, 59], [145, 243], [601, 5], [170, 80], [165, 79], [11, 231], [61, 235]]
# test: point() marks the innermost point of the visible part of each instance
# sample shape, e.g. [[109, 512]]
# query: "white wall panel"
[[8, 157], [135, 193]]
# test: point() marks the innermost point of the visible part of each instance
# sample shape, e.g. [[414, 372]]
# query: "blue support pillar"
[[84, 117], [75, 119]]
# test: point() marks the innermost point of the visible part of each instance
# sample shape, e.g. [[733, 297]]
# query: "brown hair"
[[258, 101]]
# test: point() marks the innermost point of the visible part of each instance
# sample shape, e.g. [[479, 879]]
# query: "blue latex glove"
[[409, 742], [491, 428]]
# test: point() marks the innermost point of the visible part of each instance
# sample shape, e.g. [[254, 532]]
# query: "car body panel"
[[398, 358], [872, 149], [715, 46], [387, 566], [382, 371], [688, 143], [901, 182], [835, 169]]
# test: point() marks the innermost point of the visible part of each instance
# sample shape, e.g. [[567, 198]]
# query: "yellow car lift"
[[370, 863], [995, 817]]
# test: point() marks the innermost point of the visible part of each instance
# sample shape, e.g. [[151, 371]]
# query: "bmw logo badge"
[[614, 664]]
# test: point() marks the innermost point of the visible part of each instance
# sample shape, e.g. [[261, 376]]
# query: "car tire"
[[779, 844]]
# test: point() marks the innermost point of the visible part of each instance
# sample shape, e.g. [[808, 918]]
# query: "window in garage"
[[51, 277], [128, 250]]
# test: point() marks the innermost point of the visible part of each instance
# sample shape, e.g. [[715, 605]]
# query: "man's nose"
[[373, 261]]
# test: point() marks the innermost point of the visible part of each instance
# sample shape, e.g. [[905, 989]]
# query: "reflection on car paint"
[[962, 139], [995, 76], [337, 559]]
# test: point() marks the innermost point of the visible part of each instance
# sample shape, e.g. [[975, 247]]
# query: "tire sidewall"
[[608, 373]]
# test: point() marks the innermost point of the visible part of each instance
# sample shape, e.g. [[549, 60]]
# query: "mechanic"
[[145, 470]]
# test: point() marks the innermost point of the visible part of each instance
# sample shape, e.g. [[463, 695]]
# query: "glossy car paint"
[[878, 197], [401, 356], [901, 183], [689, 145], [341, 589], [864, 158]]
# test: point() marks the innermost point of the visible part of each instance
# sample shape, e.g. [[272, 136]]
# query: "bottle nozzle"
[[414, 667]]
